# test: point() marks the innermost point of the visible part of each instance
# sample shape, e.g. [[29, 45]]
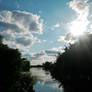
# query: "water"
[[45, 82]]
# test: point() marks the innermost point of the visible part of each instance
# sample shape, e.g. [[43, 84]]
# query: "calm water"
[[45, 82]]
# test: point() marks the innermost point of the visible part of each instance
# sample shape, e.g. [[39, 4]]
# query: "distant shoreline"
[[36, 66]]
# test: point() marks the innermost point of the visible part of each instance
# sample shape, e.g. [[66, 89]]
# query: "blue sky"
[[58, 19], [52, 12]]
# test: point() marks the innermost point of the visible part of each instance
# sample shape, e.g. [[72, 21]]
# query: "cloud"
[[68, 38], [23, 41], [46, 55], [51, 52], [80, 6], [58, 49], [55, 26], [61, 39], [80, 24], [43, 56], [17, 28], [39, 54], [44, 40]]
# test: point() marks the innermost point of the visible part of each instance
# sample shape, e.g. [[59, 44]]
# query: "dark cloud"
[[69, 36], [23, 41], [8, 26]]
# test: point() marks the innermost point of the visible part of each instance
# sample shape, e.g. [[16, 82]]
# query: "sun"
[[78, 28], [76, 31]]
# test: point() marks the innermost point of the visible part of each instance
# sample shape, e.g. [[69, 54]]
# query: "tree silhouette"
[[47, 66], [73, 68], [12, 66]]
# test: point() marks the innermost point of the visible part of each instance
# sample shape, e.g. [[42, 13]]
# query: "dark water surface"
[[45, 82]]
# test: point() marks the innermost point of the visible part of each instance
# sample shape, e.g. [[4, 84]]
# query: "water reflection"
[[45, 82]]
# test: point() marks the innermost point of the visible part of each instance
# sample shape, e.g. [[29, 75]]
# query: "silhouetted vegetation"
[[12, 71], [47, 66], [36, 66], [73, 68]]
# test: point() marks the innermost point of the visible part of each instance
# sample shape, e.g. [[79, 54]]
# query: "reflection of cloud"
[[43, 78]]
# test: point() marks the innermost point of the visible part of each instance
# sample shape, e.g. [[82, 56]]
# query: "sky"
[[41, 29]]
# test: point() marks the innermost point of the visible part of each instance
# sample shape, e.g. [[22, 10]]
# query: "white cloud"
[[80, 24], [43, 56], [17, 28], [80, 6], [61, 39], [44, 40], [90, 25], [54, 27], [58, 49], [57, 25], [68, 38]]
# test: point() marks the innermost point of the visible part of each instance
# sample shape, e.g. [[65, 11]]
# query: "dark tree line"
[[12, 68], [73, 68], [47, 66]]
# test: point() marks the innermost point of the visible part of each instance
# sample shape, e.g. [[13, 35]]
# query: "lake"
[[45, 82]]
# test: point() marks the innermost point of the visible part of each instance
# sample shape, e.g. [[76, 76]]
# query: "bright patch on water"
[[45, 82]]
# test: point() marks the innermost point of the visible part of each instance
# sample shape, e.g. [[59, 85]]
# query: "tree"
[[47, 65], [73, 68], [12, 66]]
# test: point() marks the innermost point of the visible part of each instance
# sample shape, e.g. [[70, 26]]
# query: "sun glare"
[[78, 28], [76, 31]]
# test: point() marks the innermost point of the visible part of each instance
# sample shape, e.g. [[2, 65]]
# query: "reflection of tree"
[[73, 68], [11, 67]]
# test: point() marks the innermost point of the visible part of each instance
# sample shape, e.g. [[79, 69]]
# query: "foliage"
[[73, 68], [24, 83], [11, 67], [47, 66]]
